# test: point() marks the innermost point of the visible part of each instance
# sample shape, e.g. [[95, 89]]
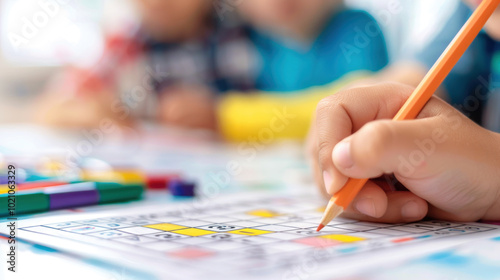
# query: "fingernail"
[[410, 210], [327, 178], [366, 206], [342, 155]]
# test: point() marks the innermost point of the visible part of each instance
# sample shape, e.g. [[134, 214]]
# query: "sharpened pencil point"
[[332, 211], [320, 227]]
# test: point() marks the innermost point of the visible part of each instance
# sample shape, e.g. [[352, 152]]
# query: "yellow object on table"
[[121, 176], [266, 117], [4, 189]]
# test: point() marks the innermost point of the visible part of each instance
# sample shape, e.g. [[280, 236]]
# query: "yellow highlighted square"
[[194, 231], [166, 227], [250, 231], [264, 213], [343, 238]]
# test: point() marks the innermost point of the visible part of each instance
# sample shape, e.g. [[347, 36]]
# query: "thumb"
[[406, 148]]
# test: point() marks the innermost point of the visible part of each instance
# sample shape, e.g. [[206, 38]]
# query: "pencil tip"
[[320, 227]]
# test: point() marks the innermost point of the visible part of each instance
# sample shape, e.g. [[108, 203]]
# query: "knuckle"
[[325, 105], [377, 137], [331, 103], [395, 88]]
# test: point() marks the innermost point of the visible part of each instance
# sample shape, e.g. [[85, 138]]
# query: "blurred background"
[[72, 32]]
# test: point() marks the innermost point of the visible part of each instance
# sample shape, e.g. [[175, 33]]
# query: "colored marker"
[[72, 195]]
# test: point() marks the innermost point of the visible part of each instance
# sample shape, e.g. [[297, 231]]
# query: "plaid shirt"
[[221, 60]]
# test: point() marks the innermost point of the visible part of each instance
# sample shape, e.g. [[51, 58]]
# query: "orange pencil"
[[339, 202]]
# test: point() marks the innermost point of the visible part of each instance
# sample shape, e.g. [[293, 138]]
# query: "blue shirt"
[[351, 40], [470, 77], [495, 68], [492, 113]]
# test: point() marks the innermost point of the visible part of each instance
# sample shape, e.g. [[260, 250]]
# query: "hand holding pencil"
[[436, 156]]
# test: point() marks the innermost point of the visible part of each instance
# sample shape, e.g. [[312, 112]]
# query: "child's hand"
[[78, 98], [449, 164], [83, 110], [188, 106]]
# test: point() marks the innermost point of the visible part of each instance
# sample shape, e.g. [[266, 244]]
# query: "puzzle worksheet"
[[248, 236]]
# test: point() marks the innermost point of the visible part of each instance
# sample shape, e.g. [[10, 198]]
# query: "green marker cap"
[[26, 202], [115, 192]]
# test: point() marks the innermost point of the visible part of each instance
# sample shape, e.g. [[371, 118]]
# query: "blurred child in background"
[[471, 74], [298, 47], [491, 53], [306, 49], [305, 43], [170, 70], [475, 78]]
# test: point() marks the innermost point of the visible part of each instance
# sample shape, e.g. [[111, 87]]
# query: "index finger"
[[338, 116]]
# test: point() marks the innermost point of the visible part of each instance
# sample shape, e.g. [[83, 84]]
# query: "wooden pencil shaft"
[[447, 61], [331, 212], [344, 197]]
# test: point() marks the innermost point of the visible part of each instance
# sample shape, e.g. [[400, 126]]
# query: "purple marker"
[[4, 179], [72, 195]]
